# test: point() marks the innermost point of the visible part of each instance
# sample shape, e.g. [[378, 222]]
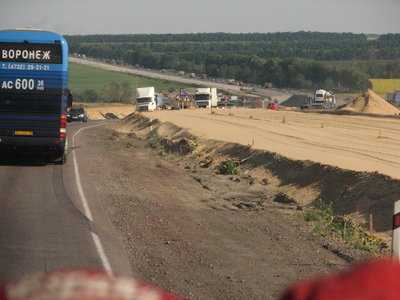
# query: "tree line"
[[215, 37], [304, 60]]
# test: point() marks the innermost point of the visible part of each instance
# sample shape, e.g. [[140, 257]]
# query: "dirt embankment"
[[360, 194], [104, 111], [197, 233], [204, 235]]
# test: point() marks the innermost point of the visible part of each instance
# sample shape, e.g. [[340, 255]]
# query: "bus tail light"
[[63, 133], [63, 125]]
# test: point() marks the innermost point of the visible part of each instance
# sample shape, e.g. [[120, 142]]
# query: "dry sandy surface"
[[204, 235], [197, 233], [99, 111], [371, 103], [209, 236], [350, 142], [360, 143]]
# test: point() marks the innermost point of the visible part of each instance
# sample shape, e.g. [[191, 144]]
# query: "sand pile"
[[99, 111], [370, 103]]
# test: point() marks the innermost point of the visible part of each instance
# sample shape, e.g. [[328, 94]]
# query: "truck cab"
[[145, 99], [206, 97]]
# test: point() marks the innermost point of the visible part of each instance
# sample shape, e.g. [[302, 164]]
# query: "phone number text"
[[28, 67]]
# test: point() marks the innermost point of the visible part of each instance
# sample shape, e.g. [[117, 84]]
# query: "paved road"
[[273, 93], [44, 222]]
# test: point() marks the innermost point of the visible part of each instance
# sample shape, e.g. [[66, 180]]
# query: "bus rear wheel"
[[62, 159]]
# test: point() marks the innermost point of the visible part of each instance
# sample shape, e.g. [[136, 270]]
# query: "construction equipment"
[[323, 99]]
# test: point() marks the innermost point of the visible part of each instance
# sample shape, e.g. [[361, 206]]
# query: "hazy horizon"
[[83, 17]]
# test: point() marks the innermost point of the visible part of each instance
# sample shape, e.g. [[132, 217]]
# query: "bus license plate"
[[20, 132]]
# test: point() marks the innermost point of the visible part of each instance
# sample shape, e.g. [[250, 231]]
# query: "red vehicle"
[[272, 105]]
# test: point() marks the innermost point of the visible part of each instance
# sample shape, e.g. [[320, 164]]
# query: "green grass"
[[379, 86], [345, 229], [83, 78], [383, 86]]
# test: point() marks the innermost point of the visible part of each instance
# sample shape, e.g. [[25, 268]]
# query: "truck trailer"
[[206, 97], [146, 99]]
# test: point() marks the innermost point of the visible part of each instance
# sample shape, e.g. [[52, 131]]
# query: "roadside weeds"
[[295, 185]]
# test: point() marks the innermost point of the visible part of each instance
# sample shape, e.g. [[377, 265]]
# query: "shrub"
[[156, 139], [229, 167]]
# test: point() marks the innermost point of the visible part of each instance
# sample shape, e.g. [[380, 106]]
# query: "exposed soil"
[[204, 235], [209, 236], [101, 111], [370, 103]]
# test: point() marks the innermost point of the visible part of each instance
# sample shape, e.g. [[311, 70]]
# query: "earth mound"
[[370, 103], [295, 101]]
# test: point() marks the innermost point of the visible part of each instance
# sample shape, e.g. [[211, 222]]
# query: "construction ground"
[[201, 234]]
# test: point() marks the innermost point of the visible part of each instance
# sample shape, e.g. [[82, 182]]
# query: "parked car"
[[272, 105], [77, 113]]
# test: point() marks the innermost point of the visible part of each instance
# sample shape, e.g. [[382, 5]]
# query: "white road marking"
[[86, 208]]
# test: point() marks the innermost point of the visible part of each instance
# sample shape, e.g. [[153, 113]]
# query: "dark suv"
[[77, 113]]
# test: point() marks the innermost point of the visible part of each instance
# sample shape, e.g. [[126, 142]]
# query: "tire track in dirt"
[[263, 133], [354, 148]]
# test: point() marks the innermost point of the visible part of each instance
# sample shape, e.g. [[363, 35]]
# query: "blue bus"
[[34, 94]]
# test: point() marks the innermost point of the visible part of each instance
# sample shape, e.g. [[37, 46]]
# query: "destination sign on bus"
[[31, 53]]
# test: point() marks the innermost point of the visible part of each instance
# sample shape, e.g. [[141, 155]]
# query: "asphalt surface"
[[51, 216]]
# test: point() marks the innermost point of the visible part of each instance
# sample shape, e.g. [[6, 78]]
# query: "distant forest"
[[303, 60]]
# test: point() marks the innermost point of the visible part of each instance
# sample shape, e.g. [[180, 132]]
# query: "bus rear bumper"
[[33, 144]]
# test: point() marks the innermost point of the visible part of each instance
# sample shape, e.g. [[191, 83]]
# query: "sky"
[[69, 17]]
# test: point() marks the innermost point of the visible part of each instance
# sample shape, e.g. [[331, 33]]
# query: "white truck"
[[146, 99], [206, 97], [323, 99]]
